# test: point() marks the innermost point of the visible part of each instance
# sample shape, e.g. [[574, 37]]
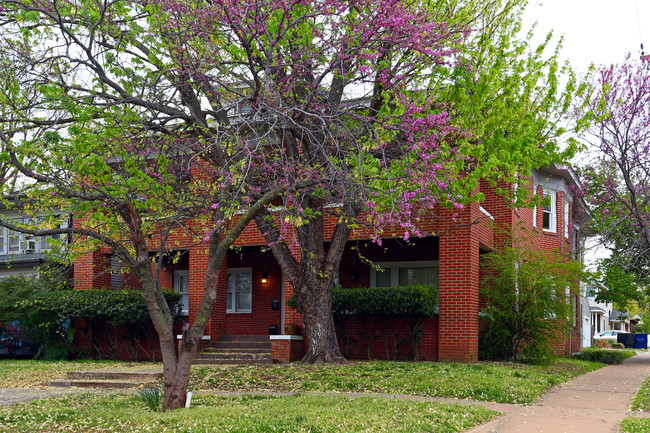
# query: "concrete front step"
[[242, 356], [107, 378], [237, 349], [200, 361], [240, 345], [247, 338], [112, 384], [138, 376]]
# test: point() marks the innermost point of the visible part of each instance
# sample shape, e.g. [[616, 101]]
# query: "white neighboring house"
[[22, 254], [602, 317]]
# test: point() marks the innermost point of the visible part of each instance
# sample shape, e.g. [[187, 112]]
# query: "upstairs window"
[[549, 219]]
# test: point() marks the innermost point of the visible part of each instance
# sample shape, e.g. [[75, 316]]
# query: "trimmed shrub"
[[415, 300], [43, 308], [383, 307], [34, 330], [112, 306], [618, 346], [602, 356]]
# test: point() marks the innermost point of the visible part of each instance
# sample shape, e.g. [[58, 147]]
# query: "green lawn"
[[485, 381], [298, 413], [641, 402], [303, 412]]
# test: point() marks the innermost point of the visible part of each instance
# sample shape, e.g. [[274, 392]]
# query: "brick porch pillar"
[[198, 267], [459, 286], [92, 271]]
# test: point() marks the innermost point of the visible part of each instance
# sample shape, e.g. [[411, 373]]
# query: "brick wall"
[[464, 236]]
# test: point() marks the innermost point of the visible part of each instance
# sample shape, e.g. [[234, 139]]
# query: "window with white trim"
[[46, 241], [549, 219], [566, 219], [535, 216], [239, 295], [12, 242], [182, 286]]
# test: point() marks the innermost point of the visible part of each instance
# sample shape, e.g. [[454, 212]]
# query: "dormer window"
[[549, 219]]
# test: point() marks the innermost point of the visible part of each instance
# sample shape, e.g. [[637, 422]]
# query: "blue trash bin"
[[640, 341], [626, 339]]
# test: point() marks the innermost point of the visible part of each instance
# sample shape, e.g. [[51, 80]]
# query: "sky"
[[595, 31]]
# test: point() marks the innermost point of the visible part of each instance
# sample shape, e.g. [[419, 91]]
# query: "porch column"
[[217, 324], [198, 268], [459, 286], [92, 271]]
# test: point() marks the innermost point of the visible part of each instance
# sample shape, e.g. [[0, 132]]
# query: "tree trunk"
[[176, 362], [316, 308], [313, 276], [176, 374]]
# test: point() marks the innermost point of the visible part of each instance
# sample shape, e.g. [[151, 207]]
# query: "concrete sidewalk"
[[593, 403]]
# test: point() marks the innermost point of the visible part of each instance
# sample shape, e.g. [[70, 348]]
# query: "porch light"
[[265, 275]]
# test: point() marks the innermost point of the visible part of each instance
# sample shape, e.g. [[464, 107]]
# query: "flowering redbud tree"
[[616, 128], [147, 119]]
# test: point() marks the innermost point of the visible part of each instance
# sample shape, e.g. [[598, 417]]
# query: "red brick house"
[[253, 293]]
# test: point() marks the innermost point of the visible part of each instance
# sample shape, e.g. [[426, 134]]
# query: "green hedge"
[[605, 356], [415, 300], [113, 306]]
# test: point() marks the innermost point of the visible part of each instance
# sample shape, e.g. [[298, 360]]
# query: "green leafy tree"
[[529, 301], [614, 113], [619, 286], [179, 117], [46, 332]]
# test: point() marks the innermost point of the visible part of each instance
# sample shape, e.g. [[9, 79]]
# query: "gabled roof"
[[618, 316], [570, 177]]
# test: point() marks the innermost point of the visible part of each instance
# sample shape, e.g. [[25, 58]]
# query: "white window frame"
[[16, 235], [535, 216], [44, 242], [177, 287], [566, 218], [394, 267], [552, 226], [3, 241], [235, 272]]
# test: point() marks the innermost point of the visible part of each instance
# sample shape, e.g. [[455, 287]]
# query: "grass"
[[485, 381], [31, 373], [298, 413], [641, 403], [635, 425], [606, 356]]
